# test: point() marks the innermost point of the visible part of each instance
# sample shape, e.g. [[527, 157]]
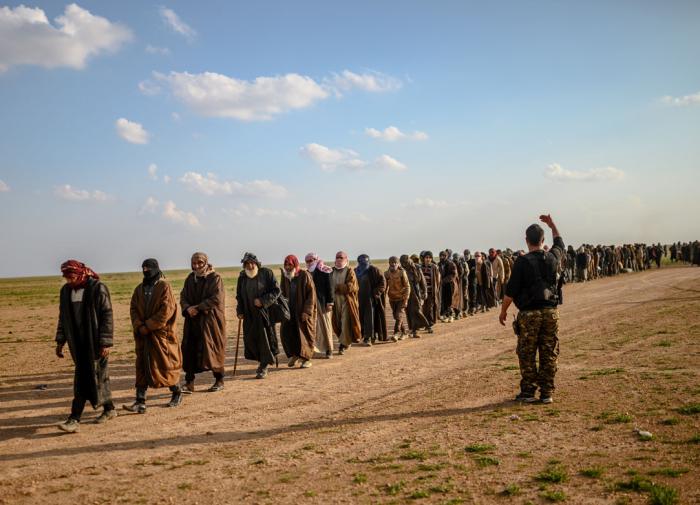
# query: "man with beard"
[[497, 271], [85, 322], [371, 299], [299, 333], [448, 276], [416, 282], [257, 290], [204, 336], [484, 280], [321, 275], [397, 290], [471, 281], [533, 288], [158, 355], [346, 312], [463, 272], [431, 274]]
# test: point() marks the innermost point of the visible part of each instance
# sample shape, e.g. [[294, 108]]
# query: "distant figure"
[[257, 290], [346, 311], [533, 288], [431, 274], [448, 286], [398, 291], [202, 302], [321, 275], [298, 334], [371, 300], [414, 306], [158, 354], [85, 322]]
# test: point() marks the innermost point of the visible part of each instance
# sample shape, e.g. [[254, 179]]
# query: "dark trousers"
[[398, 312], [448, 291], [78, 406], [218, 375], [141, 392]]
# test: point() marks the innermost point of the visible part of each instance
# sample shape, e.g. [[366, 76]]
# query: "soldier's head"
[[534, 237]]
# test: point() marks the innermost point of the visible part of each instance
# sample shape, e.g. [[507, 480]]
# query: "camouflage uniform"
[[538, 332]]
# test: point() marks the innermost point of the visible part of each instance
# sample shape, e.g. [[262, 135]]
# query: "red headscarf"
[[82, 271], [294, 261]]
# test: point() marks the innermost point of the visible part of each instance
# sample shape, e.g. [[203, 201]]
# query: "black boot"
[[139, 406], [176, 398]]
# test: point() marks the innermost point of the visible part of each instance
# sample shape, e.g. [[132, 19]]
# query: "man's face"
[[443, 256], [427, 260], [198, 264], [145, 270], [309, 262], [288, 267], [393, 264], [249, 265], [71, 277]]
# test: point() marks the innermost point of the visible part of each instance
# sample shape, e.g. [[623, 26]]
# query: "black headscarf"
[[250, 257], [153, 273]]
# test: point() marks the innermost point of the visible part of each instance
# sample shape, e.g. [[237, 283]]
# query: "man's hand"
[[258, 303], [192, 311], [547, 219], [329, 307], [502, 317], [143, 330], [59, 350], [304, 317], [104, 352]]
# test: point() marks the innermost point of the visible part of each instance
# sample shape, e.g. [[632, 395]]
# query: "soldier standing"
[[533, 288]]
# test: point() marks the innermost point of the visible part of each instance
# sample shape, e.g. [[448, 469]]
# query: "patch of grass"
[[669, 472], [615, 417], [690, 409], [597, 427], [552, 474], [394, 489], [550, 495], [524, 455], [530, 417], [663, 343], [511, 490], [695, 439], [195, 462], [286, 478], [308, 447], [663, 495], [184, 486], [511, 367], [259, 462], [359, 478], [428, 467], [419, 455], [479, 448], [607, 371], [309, 494], [405, 445], [441, 489], [636, 483], [671, 421], [592, 472], [417, 495], [484, 461]]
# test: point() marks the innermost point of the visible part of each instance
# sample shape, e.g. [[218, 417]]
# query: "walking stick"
[[238, 341]]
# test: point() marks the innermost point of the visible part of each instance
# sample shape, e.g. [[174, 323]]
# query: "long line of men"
[[314, 306]]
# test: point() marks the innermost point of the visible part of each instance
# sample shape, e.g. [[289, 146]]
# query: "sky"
[[139, 129]]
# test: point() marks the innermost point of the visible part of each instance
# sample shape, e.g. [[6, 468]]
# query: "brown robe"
[[299, 337], [158, 354], [350, 289], [204, 336]]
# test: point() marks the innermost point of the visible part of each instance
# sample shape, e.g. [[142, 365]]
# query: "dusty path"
[[389, 424]]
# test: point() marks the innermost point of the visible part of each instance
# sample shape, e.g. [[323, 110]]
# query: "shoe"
[[430, 330], [415, 335], [292, 361], [188, 388], [450, 319], [525, 398], [546, 399], [329, 354], [306, 364], [341, 350], [136, 407], [402, 336], [262, 373], [394, 338], [217, 386], [175, 399], [106, 415], [69, 426], [368, 343]]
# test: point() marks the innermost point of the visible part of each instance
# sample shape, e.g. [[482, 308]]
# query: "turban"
[[80, 270]]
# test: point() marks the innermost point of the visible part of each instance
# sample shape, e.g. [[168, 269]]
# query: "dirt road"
[[427, 420]]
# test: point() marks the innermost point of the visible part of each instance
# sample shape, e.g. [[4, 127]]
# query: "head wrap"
[[428, 253], [80, 270], [152, 273], [341, 262], [362, 265], [206, 269], [455, 257], [415, 258], [407, 263], [313, 261], [250, 257], [294, 262], [467, 254]]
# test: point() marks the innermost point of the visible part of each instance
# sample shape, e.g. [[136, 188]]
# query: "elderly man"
[[298, 334], [321, 275], [204, 335], [346, 311], [257, 290], [85, 322], [158, 355]]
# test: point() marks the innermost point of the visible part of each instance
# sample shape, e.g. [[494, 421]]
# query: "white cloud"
[[209, 184], [162, 51], [175, 116], [373, 82], [149, 88], [4, 188], [27, 37], [287, 214], [68, 192], [216, 95], [149, 206], [392, 134], [172, 213], [682, 101], [429, 203], [177, 24], [153, 172], [131, 131], [556, 172], [167, 179], [330, 160]]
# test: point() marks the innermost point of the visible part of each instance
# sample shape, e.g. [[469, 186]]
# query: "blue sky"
[[377, 127]]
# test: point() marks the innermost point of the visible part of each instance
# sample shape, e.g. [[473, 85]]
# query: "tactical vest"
[[544, 288]]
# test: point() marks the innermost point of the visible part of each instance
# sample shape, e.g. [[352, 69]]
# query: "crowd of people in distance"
[[313, 307]]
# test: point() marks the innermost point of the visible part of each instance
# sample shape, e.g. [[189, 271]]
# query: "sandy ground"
[[426, 420]]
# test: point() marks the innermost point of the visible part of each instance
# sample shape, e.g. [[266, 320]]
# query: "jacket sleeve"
[[163, 311], [405, 288], [310, 301], [136, 322], [215, 294], [351, 285], [272, 291], [60, 336], [239, 297], [184, 300], [327, 287], [105, 317], [380, 288]]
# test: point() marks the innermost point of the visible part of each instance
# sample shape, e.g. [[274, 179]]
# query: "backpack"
[[543, 288]]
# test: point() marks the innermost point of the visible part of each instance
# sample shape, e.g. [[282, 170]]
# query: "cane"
[[238, 341]]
